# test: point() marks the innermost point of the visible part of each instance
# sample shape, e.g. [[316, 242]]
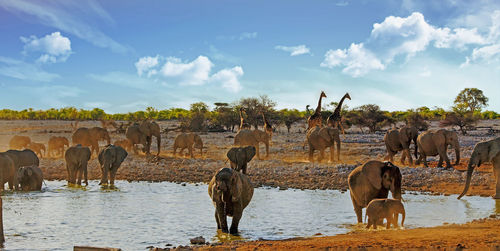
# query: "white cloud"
[[63, 16], [169, 70], [145, 64], [229, 78], [399, 37], [248, 35], [357, 61], [294, 50], [54, 47], [24, 71]]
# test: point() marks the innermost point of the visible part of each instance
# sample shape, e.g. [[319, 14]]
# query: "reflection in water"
[[139, 214]]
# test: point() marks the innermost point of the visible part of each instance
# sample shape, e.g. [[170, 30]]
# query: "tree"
[[254, 106], [369, 116], [458, 119], [289, 117], [470, 100], [415, 118]]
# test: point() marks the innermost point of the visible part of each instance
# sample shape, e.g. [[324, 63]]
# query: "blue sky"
[[127, 55]]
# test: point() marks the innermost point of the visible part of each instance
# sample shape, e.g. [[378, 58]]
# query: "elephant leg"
[[112, 174], [311, 154], [175, 150], [408, 153], [190, 149], [374, 222], [496, 172], [395, 218], [235, 222], [332, 153], [85, 174], [257, 150], [424, 159], [222, 217], [358, 210], [369, 223], [69, 175], [104, 178], [440, 162], [267, 150], [388, 226], [444, 156], [79, 174]]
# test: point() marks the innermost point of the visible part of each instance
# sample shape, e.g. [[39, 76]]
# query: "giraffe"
[[335, 120], [315, 119], [243, 124], [268, 128]]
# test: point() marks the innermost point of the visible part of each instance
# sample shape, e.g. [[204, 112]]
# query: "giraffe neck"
[[339, 106], [318, 108]]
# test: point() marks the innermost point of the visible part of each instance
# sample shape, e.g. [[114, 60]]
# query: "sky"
[[124, 56]]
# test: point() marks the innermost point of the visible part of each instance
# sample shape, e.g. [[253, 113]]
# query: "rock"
[[198, 240]]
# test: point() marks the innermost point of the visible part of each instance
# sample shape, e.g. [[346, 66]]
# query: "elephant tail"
[[470, 169]]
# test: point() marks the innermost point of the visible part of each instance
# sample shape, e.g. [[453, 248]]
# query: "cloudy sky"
[[127, 55]]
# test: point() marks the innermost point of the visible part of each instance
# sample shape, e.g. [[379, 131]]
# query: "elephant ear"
[[373, 171], [101, 156], [231, 154], [250, 153], [324, 133], [494, 149], [122, 153]]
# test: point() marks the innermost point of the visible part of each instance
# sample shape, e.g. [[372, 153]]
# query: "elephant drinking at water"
[[30, 178], [372, 180]]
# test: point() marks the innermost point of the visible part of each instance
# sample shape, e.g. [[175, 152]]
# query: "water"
[[142, 214]]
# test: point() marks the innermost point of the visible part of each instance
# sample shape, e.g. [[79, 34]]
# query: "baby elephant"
[[110, 159], [230, 191], [30, 178], [378, 209]]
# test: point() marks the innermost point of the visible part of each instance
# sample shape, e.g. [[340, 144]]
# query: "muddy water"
[[142, 214]]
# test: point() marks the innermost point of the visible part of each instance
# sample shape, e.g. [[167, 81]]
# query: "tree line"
[[225, 117]]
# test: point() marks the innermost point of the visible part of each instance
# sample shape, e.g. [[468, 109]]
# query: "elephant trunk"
[[416, 148], [470, 169], [158, 143]]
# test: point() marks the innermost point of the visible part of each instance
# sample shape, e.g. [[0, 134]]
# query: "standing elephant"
[[397, 140], [19, 142], [150, 129], [486, 151], [30, 178], [187, 140], [389, 209], [57, 144], [230, 191], [77, 158], [320, 138], [135, 136], [37, 148], [247, 137], [436, 142], [110, 159], [23, 158], [91, 137], [373, 180], [8, 172], [240, 156]]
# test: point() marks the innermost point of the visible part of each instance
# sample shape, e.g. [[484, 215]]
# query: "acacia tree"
[[254, 106], [369, 116], [470, 100]]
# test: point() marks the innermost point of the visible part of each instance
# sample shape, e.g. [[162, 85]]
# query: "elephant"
[[436, 142], [110, 159], [91, 137], [150, 129], [389, 209], [77, 158], [486, 151], [397, 140], [57, 144], [23, 158], [37, 148], [125, 143], [247, 137], [8, 172], [230, 191], [30, 178], [187, 140], [240, 156], [135, 136], [320, 138], [19, 142], [373, 180]]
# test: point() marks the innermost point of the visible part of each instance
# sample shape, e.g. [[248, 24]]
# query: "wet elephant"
[[77, 158], [30, 178], [389, 209], [110, 159]]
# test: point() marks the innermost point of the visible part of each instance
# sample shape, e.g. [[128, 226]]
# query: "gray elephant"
[[373, 180], [400, 140], [189, 141], [230, 191], [486, 151], [240, 156], [135, 136], [77, 158], [19, 142], [436, 142], [389, 209], [91, 137], [30, 178], [57, 144], [8, 172], [320, 138], [23, 158], [141, 133], [247, 137], [110, 159]]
